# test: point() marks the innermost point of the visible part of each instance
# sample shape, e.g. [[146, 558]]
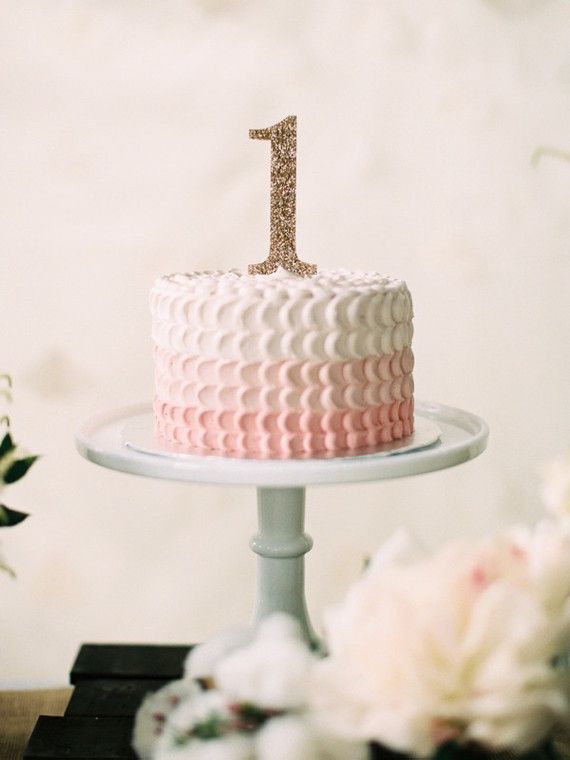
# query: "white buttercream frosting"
[[333, 316]]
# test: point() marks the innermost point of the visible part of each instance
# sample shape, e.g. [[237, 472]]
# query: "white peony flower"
[[544, 559], [400, 548], [286, 738], [191, 732], [271, 672], [153, 713], [457, 646], [555, 489], [203, 658], [298, 737], [231, 747]]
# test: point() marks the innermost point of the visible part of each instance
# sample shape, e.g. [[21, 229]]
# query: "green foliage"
[[6, 387], [11, 468], [10, 517], [211, 727], [18, 469], [7, 569], [7, 445]]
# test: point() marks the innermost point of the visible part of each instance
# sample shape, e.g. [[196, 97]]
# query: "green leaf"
[[213, 726], [7, 445], [7, 569], [10, 517], [5, 391], [448, 751], [18, 469]]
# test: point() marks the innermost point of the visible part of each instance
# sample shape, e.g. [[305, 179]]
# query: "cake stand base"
[[281, 544]]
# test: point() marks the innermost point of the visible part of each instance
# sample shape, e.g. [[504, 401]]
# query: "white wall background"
[[124, 154]]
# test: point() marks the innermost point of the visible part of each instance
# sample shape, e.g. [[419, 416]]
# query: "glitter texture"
[[282, 250]]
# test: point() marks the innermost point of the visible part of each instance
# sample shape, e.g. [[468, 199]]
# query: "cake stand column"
[[281, 544]]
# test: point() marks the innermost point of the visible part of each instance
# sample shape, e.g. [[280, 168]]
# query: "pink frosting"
[[282, 408], [284, 385], [282, 434]]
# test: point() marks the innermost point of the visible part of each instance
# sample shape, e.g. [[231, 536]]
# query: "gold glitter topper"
[[282, 250]]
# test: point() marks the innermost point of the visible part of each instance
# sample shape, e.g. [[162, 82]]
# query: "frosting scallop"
[[281, 365], [331, 316]]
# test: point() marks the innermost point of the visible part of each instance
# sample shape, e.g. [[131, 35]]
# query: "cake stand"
[[281, 542]]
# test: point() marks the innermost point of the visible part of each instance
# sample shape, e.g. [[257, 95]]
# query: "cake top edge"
[[235, 280]]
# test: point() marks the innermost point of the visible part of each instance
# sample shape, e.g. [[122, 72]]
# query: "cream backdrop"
[[124, 154]]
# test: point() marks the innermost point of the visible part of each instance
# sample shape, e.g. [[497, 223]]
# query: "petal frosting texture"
[[282, 366]]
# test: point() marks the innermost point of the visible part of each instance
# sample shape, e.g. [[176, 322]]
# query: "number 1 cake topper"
[[282, 249]]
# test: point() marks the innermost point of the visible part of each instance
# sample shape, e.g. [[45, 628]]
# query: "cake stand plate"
[[445, 437], [103, 438]]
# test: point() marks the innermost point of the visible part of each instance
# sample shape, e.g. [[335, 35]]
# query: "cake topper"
[[282, 251]]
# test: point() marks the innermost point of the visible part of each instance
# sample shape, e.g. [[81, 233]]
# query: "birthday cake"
[[279, 366]]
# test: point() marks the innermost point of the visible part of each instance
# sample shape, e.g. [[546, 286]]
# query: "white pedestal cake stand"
[[281, 542]]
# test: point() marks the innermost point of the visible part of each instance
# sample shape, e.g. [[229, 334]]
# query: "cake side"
[[282, 366]]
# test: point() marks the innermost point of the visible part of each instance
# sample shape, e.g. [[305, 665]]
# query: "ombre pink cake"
[[282, 366]]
